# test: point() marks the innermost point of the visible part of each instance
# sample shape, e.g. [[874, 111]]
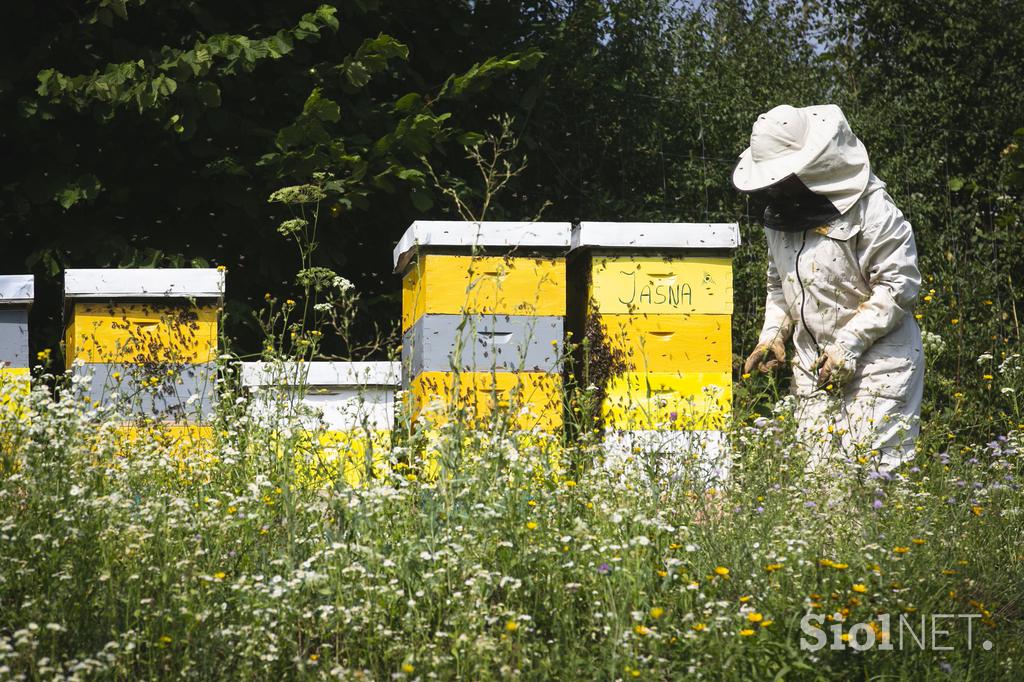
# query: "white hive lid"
[[487, 234], [654, 236], [17, 289], [144, 283], [322, 373]]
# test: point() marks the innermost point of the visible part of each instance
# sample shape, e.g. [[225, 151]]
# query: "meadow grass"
[[216, 559]]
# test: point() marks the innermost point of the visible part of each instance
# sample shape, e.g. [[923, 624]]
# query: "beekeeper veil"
[[806, 164]]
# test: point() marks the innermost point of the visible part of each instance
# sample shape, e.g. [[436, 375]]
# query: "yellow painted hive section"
[[668, 321], [532, 399], [141, 333], [669, 402], [14, 388], [658, 285], [190, 444], [454, 285], [670, 343], [317, 462], [349, 454]]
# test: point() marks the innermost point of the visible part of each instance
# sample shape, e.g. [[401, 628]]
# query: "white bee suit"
[[842, 280], [860, 282]]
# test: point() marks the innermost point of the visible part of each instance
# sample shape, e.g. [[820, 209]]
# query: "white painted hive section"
[[338, 396], [144, 283], [701, 456], [655, 236], [489, 234], [322, 373], [17, 290]]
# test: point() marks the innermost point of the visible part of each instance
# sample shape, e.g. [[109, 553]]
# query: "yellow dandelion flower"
[[976, 510], [917, 541], [408, 668], [220, 575], [766, 623], [314, 657], [657, 612], [165, 639], [755, 617], [772, 567], [859, 587], [699, 627], [722, 571], [642, 630], [744, 599], [511, 626], [746, 632], [531, 525]]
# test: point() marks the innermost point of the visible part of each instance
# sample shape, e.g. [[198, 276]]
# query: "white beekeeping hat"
[[813, 143]]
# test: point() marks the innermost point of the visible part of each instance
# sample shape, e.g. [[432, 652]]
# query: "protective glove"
[[835, 366], [766, 357]]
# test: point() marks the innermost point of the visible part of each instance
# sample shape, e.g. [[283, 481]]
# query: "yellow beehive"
[[483, 308], [659, 296], [145, 338], [17, 293], [345, 409]]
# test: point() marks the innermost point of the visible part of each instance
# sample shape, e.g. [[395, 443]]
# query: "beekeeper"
[[842, 283]]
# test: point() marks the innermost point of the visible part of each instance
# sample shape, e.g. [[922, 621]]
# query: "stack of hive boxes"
[[347, 406], [147, 338], [483, 309], [661, 294], [16, 295]]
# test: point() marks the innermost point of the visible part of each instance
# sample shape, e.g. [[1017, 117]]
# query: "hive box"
[[348, 407], [16, 295], [656, 299], [483, 309], [147, 338]]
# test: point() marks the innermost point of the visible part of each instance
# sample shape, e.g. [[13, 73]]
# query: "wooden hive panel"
[[455, 285], [534, 398]]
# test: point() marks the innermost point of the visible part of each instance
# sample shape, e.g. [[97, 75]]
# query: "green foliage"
[[245, 554], [151, 84]]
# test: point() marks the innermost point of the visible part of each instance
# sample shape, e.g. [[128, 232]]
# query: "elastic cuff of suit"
[[849, 345]]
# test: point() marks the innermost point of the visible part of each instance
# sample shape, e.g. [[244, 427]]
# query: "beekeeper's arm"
[[771, 344], [888, 261]]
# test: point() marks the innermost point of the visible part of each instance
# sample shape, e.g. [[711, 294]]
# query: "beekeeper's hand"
[[835, 366], [766, 357]]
